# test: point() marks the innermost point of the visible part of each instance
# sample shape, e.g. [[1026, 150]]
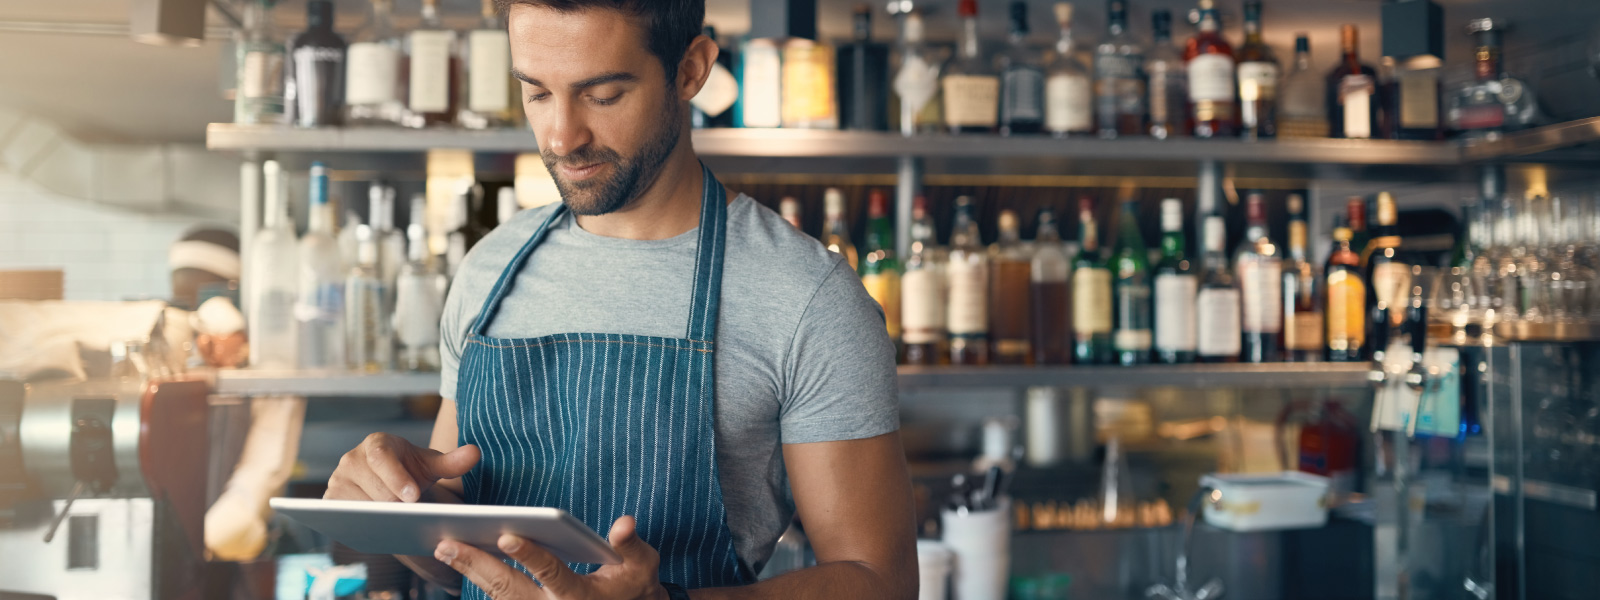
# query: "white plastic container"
[[982, 545], [1264, 502], [934, 562]]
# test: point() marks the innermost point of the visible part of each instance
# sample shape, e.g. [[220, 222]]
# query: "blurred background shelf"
[[1272, 375], [248, 382]]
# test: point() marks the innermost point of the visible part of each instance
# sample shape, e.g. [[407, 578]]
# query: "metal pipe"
[[908, 185]]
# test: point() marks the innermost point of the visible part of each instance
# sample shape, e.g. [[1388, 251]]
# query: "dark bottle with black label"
[[864, 78], [314, 77]]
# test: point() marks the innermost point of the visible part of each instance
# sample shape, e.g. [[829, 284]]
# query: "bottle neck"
[[1302, 60], [1117, 25], [1048, 234], [1215, 236], [1172, 244], [1208, 22], [863, 28], [1297, 239], [970, 46], [1088, 238], [430, 14], [1488, 63], [1009, 237], [320, 219], [1252, 32], [1064, 43]]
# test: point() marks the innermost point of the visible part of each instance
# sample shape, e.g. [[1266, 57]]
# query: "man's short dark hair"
[[670, 24]]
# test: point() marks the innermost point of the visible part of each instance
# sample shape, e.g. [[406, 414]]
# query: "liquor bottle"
[[1410, 93], [1069, 91], [1021, 80], [1258, 264], [808, 85], [1388, 275], [273, 279], [1355, 210], [971, 88], [916, 82], [432, 71], [1492, 103], [320, 310], [863, 77], [710, 107], [1302, 316], [1176, 288], [1352, 92], [1218, 334], [372, 92], [258, 91], [347, 240], [1258, 80], [1131, 290], [1346, 300], [506, 207], [1301, 109], [922, 292], [835, 232], [760, 84], [880, 268], [1010, 329], [369, 339], [1209, 61], [465, 230], [967, 310], [1091, 294], [418, 300], [1169, 80], [1119, 77], [491, 94], [391, 244], [314, 83], [1051, 303], [789, 209]]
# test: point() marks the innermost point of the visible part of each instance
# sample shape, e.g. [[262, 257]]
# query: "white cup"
[[934, 560], [982, 545]]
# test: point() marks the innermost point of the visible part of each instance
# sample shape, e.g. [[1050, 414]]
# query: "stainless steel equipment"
[[102, 489]]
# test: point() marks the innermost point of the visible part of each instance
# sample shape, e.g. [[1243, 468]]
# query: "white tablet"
[[416, 529]]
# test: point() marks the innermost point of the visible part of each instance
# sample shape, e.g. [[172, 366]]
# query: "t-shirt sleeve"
[[840, 368], [452, 340]]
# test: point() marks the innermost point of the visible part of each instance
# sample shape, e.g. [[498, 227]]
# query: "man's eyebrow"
[[601, 79]]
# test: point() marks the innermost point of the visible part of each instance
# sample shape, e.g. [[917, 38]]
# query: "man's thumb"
[[625, 537], [454, 463]]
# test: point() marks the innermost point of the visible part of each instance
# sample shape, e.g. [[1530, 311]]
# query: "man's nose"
[[565, 131]]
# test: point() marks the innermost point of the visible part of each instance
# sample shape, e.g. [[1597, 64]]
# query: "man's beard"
[[629, 177]]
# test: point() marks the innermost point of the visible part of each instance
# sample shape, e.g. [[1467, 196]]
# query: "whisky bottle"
[[968, 281], [1119, 77], [433, 72], [1258, 80], [258, 91], [1301, 112], [490, 91], [1352, 92], [1069, 91], [1010, 331], [1169, 81], [1259, 266], [1217, 307], [1302, 313], [1051, 304], [863, 77], [1346, 310], [1091, 294], [971, 87], [1213, 111], [922, 292], [372, 91], [880, 268], [1021, 79]]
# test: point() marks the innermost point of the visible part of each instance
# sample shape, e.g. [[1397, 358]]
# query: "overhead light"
[[168, 22], [1413, 28]]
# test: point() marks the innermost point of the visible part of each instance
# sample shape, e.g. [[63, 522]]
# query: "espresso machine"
[[102, 489]]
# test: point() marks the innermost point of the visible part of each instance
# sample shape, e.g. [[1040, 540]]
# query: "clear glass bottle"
[[391, 243], [1091, 294], [273, 279], [863, 77], [1213, 111], [1132, 336], [1010, 329], [922, 291], [1258, 263], [1069, 89], [419, 301], [491, 93], [372, 91], [809, 83], [1301, 109], [1168, 80], [347, 240], [967, 316], [1492, 103], [314, 88], [1258, 80], [971, 87], [1217, 306], [880, 268], [465, 229], [1051, 300], [1119, 88], [1021, 80], [320, 310], [369, 337], [433, 71], [835, 231], [1302, 311], [1352, 90], [258, 93], [506, 207], [1175, 289], [916, 79]]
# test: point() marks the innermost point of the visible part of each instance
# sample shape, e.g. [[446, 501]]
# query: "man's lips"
[[580, 173]]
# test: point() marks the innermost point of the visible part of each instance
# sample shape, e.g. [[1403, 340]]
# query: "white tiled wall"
[[107, 253]]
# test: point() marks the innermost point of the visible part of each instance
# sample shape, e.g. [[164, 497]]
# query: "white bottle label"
[[263, 75], [1211, 78], [1355, 91], [1175, 312], [1091, 301], [430, 71], [1258, 81], [719, 93], [971, 100], [1393, 283], [763, 99], [969, 299], [372, 74], [1067, 103], [916, 83], [489, 80], [921, 307], [1217, 319], [1263, 295]]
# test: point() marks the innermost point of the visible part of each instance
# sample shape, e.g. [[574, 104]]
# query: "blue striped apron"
[[604, 425]]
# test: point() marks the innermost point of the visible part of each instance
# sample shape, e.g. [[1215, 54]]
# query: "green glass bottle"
[[1091, 294], [880, 269], [1131, 291]]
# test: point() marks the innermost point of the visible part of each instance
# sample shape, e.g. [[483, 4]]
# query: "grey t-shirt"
[[802, 354]]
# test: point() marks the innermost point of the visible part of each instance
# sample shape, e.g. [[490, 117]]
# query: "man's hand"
[[389, 469], [635, 579]]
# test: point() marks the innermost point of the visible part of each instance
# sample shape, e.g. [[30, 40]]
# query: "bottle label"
[[1211, 78], [1305, 333], [372, 73], [1261, 282], [1491, 115], [263, 75], [320, 301], [885, 288], [808, 87], [1133, 317], [969, 298], [922, 307], [971, 100], [1067, 103], [1217, 322], [1419, 100], [1119, 86], [719, 93], [1392, 281], [417, 310], [1168, 89], [916, 83], [1258, 81], [763, 84], [1024, 93], [1355, 94], [1091, 301], [1175, 312], [430, 71], [1131, 340], [1347, 311], [489, 80]]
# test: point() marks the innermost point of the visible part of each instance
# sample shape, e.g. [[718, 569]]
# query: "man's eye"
[[605, 101], [538, 96]]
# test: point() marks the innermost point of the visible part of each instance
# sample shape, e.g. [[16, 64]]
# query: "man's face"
[[605, 116]]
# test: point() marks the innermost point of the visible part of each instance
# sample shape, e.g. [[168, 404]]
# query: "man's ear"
[[695, 67]]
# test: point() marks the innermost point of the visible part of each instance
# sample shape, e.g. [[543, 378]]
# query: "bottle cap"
[[877, 204], [914, 30], [968, 8], [919, 207], [319, 184], [382, 207], [1086, 206], [1356, 211], [789, 208], [1255, 208], [833, 203], [1296, 205], [1063, 14], [1302, 42], [1019, 18], [319, 14], [1047, 216], [1008, 220], [1387, 213], [1172, 214], [1349, 38], [1476, 26], [1342, 234]]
